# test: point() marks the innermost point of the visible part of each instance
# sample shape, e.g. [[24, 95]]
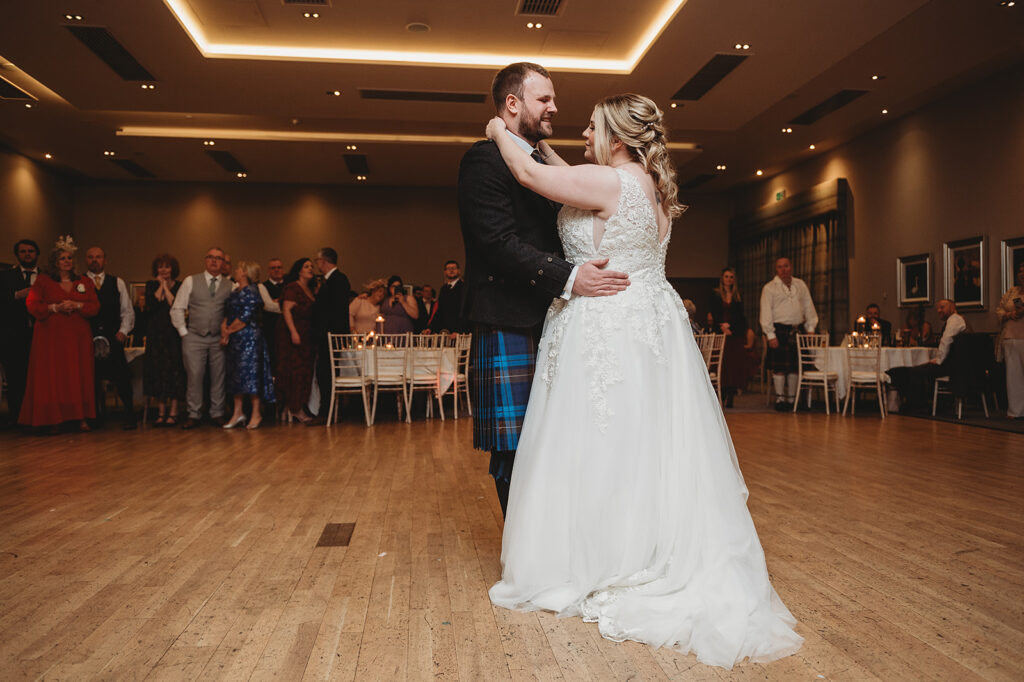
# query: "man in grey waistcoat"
[[203, 296]]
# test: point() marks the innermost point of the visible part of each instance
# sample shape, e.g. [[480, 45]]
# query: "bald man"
[[786, 306]]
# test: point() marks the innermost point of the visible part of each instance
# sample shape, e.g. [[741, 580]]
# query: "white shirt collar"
[[521, 143], [209, 277], [327, 275]]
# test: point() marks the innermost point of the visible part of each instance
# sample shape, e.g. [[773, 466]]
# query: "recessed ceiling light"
[[885, 111], [241, 175], [417, 27], [1007, 3], [311, 15], [108, 153], [742, 46], [148, 86], [759, 172], [73, 17], [811, 147], [350, 147], [874, 78], [47, 156], [720, 167], [209, 143], [360, 178], [531, 24], [787, 130], [673, 105], [28, 106], [334, 93]]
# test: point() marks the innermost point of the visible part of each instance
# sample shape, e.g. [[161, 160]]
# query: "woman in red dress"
[[295, 341], [60, 366]]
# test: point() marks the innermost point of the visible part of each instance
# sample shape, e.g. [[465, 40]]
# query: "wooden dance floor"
[[164, 554]]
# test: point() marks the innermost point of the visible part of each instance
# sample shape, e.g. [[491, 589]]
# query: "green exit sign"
[[780, 195]]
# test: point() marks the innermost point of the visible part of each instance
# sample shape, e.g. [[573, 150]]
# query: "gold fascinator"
[[66, 243]]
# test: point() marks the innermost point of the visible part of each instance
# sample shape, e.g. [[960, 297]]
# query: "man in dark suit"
[[872, 314], [330, 316], [270, 291], [16, 323], [514, 266], [450, 302], [114, 322], [427, 304]]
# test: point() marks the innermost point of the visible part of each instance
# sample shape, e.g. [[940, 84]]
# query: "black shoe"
[[190, 424], [783, 406]]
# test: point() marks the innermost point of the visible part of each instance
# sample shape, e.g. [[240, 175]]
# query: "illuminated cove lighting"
[[624, 65]]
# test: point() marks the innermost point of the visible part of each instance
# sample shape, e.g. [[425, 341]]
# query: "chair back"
[[812, 352], [971, 363], [463, 346], [712, 347], [390, 364], [427, 340], [393, 340], [348, 359], [425, 364], [864, 360]]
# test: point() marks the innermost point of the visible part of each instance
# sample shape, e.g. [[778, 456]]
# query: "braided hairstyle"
[[637, 122]]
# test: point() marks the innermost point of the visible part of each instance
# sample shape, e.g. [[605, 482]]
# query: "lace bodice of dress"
[[630, 242], [630, 237]]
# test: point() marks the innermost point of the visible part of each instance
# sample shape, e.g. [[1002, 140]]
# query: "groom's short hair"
[[509, 81]]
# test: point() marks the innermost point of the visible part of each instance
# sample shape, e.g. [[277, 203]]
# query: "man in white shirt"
[[112, 323], [915, 383], [786, 306], [203, 296]]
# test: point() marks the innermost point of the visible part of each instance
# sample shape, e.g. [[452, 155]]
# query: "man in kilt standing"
[[786, 305], [514, 266]]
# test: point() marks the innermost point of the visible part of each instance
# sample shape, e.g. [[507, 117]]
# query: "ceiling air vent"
[[698, 180], [133, 168], [833, 103], [105, 46], [9, 90], [540, 8], [357, 164], [720, 66], [227, 161], [421, 96]]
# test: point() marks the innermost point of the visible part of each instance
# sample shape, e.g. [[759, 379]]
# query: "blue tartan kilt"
[[502, 373]]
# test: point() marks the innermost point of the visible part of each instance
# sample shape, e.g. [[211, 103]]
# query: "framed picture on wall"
[[137, 290], [1013, 261], [914, 280], [963, 274]]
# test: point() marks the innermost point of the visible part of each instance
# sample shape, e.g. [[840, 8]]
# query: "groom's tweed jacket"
[[514, 264]]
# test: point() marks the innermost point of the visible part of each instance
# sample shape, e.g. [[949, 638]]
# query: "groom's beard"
[[530, 129]]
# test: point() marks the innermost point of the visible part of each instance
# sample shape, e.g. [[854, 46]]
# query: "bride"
[[627, 506]]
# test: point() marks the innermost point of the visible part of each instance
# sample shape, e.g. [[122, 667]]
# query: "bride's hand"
[[495, 127]]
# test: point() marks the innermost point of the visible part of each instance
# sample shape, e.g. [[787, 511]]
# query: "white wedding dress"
[[627, 505]]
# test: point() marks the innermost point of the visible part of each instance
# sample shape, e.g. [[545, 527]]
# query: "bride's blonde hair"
[[637, 122]]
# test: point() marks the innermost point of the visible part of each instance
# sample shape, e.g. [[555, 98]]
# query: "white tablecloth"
[[890, 357], [447, 365]]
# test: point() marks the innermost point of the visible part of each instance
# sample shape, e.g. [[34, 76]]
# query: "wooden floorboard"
[[163, 554]]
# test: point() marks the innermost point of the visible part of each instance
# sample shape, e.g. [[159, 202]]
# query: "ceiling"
[[258, 78]]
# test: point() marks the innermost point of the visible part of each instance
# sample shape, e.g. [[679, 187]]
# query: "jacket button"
[[490, 278], [532, 283], [540, 272], [550, 259]]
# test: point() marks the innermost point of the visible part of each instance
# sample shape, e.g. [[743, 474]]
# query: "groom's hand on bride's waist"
[[593, 280]]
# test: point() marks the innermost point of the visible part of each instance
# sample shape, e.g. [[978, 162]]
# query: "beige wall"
[[35, 203], [377, 232], [951, 170]]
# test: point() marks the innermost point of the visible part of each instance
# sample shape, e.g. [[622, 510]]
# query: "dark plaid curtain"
[[817, 249]]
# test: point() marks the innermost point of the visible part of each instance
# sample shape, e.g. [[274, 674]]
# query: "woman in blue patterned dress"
[[248, 366]]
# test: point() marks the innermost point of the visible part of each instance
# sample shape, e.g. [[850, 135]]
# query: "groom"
[[514, 266]]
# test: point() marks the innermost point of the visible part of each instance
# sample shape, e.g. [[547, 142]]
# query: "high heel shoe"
[[234, 424], [254, 425]]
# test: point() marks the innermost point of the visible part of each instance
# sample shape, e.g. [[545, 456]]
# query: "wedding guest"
[[113, 323], [1011, 346], [330, 316], [448, 315], [202, 296], [225, 267], [248, 362], [364, 309], [270, 292], [917, 331], [398, 309], [163, 371], [914, 384], [727, 317], [786, 306], [16, 322], [872, 315], [294, 368], [691, 314], [60, 367], [427, 304]]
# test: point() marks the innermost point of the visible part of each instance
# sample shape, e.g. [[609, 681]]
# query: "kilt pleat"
[[503, 365]]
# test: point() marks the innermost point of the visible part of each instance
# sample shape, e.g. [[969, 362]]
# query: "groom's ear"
[[511, 104]]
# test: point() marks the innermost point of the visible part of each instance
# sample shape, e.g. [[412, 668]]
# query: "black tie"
[[28, 277]]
